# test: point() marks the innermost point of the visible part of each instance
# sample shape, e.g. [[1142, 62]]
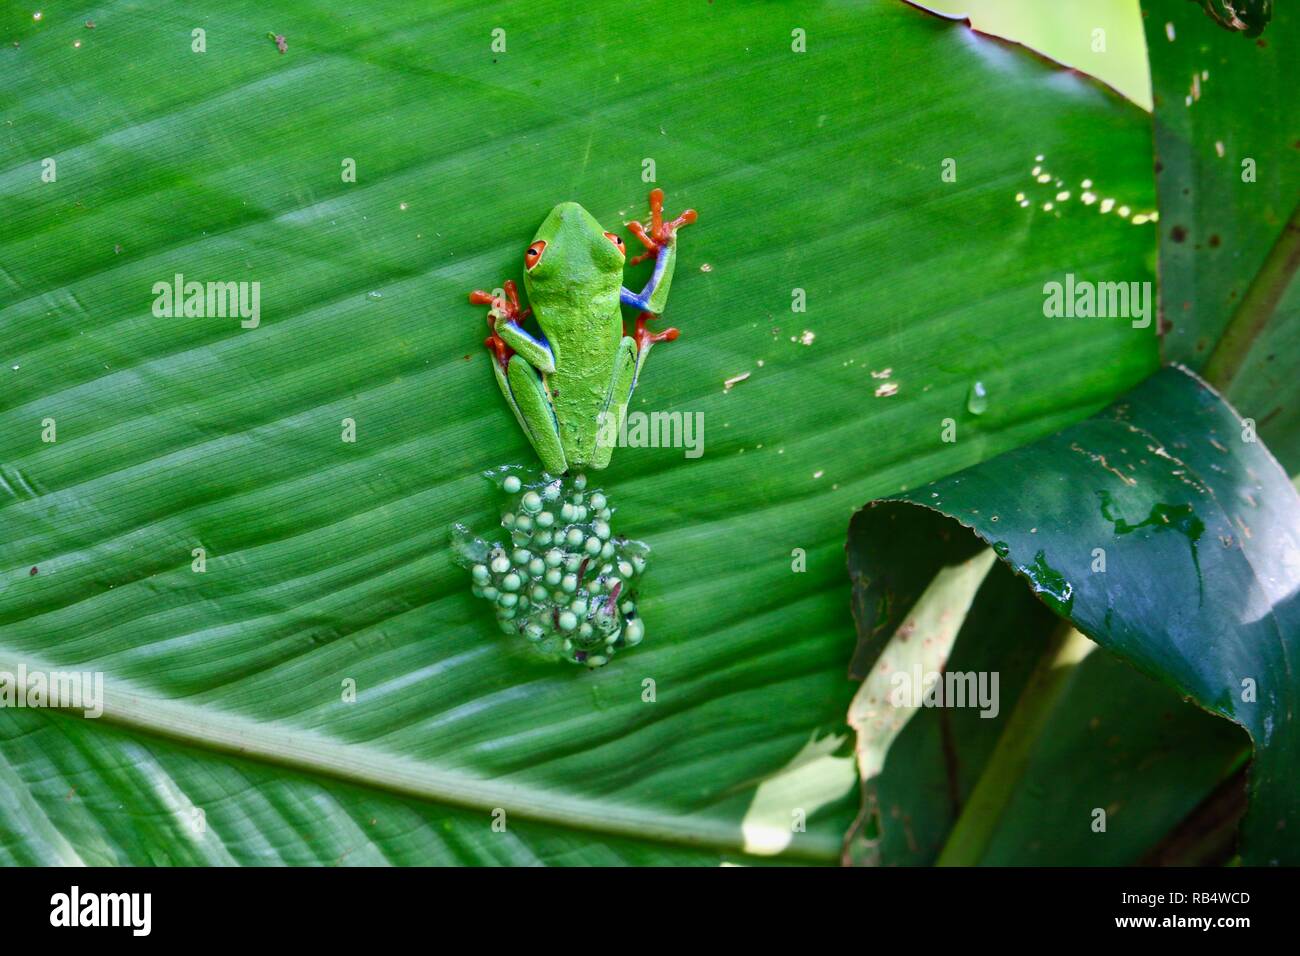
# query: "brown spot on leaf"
[[1178, 233]]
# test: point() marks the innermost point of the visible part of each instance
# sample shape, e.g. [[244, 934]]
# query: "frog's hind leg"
[[513, 349], [528, 399], [621, 384], [632, 352]]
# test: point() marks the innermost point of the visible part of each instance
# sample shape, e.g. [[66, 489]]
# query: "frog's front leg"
[[517, 360], [510, 332], [661, 243]]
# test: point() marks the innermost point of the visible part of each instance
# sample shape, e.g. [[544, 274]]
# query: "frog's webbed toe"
[[662, 232]]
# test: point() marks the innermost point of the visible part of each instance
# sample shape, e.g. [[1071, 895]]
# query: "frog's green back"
[[574, 293]]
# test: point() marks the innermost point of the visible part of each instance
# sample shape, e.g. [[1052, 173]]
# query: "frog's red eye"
[[534, 253], [617, 240]]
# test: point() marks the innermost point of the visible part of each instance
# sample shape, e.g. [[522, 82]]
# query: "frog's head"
[[572, 260]]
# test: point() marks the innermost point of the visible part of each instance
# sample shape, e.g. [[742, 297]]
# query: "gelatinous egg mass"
[[556, 575]]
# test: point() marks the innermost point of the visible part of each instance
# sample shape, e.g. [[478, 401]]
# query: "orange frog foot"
[[661, 232], [503, 307], [644, 336]]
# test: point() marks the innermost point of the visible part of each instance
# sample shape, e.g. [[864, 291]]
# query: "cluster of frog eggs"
[[563, 581]]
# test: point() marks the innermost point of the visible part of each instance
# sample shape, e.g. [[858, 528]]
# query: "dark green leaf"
[[1227, 128], [1198, 532]]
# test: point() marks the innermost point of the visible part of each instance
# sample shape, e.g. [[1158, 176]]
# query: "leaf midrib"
[[307, 751]]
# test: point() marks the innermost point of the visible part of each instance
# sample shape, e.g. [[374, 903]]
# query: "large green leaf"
[[1227, 131], [328, 561], [1163, 530]]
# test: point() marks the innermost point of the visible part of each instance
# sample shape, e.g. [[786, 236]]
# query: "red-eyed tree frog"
[[570, 386]]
